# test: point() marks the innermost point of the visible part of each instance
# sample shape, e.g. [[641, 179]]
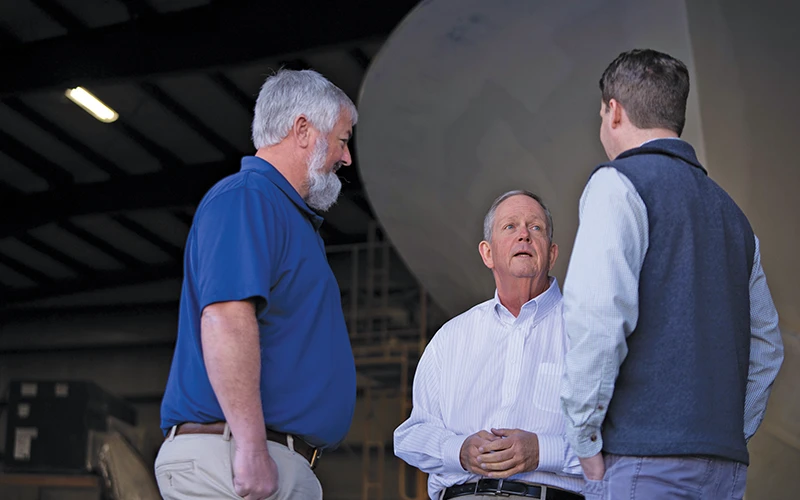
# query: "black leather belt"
[[501, 487]]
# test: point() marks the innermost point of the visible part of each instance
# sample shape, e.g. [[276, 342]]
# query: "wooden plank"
[[50, 480]]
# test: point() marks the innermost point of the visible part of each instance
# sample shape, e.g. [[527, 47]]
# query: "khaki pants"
[[193, 466]]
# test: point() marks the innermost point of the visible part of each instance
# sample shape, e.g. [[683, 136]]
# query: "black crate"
[[50, 424]]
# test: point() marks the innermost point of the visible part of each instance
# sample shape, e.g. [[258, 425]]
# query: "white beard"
[[323, 189]]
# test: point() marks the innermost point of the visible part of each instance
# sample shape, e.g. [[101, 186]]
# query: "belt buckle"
[[495, 492], [314, 458]]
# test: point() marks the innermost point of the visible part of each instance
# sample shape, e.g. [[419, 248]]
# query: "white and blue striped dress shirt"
[[487, 369], [601, 295]]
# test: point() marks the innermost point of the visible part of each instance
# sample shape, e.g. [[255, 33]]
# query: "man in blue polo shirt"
[[263, 376]]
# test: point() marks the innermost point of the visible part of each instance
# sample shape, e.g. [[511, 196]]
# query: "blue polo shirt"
[[253, 236]]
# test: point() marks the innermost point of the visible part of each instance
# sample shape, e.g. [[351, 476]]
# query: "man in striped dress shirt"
[[486, 417]]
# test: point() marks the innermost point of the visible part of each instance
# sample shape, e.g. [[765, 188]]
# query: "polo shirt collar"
[[270, 172]]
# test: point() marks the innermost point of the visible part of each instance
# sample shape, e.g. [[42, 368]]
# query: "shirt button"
[[593, 438], [600, 407]]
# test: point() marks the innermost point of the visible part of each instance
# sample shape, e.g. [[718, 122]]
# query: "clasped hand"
[[501, 453]]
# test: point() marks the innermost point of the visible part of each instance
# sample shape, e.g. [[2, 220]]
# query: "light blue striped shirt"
[[487, 369], [604, 268]]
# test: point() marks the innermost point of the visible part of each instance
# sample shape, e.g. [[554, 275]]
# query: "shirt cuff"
[[451, 454], [551, 453], [586, 442]]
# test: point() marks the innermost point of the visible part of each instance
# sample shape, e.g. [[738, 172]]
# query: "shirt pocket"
[[547, 387]]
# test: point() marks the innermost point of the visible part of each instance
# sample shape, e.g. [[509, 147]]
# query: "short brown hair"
[[651, 86]]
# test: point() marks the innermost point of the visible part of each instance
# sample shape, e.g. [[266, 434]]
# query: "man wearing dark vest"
[[674, 336]]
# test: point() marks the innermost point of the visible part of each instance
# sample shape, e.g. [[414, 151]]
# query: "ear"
[[486, 254], [553, 256], [301, 129], [617, 112]]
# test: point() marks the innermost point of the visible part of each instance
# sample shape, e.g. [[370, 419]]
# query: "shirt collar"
[[661, 139], [270, 172], [538, 307]]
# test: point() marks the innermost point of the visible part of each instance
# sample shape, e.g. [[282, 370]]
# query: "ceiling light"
[[92, 104]]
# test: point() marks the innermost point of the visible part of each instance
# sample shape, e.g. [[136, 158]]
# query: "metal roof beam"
[[38, 164], [198, 39], [189, 118], [106, 279], [79, 147], [174, 251], [56, 254], [34, 275], [101, 244], [247, 102], [139, 8], [177, 187], [60, 14]]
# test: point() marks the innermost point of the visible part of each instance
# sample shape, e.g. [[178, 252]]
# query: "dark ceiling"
[[90, 206]]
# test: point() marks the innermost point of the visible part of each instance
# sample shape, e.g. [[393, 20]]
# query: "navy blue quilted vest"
[[681, 389]]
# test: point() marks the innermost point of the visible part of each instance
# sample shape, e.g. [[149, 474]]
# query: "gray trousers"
[[681, 477]]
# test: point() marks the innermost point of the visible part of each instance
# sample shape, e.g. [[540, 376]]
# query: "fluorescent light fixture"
[[92, 104]]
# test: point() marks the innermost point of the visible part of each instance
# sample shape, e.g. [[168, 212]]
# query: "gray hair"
[[488, 221], [289, 94]]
